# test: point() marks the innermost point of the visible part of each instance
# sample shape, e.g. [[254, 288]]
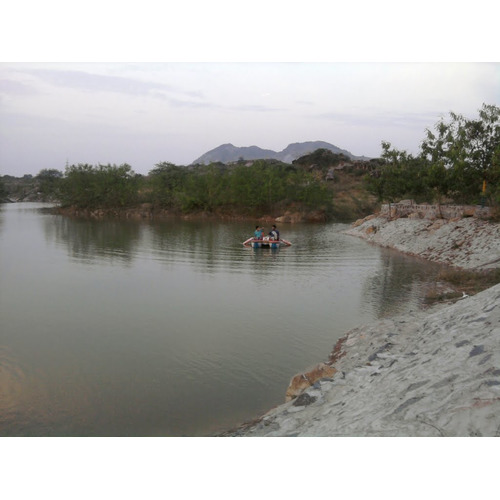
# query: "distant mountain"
[[227, 153]]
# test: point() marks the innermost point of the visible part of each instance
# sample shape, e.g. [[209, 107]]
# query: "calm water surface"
[[173, 328]]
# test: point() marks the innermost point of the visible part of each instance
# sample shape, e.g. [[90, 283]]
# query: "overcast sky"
[[143, 113]]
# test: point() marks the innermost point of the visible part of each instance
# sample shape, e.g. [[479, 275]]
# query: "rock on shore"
[[469, 243], [423, 374]]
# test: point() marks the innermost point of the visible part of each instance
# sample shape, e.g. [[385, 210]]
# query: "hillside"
[[15, 189], [227, 153]]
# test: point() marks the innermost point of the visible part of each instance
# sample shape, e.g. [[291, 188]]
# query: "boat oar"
[[286, 242], [247, 241]]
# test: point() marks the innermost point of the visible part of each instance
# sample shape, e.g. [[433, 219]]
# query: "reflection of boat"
[[266, 243]]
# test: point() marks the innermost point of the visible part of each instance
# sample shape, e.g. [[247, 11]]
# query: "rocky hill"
[[227, 153], [15, 189]]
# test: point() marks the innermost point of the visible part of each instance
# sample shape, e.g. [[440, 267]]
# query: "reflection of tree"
[[209, 246], [184, 240], [398, 281], [89, 240]]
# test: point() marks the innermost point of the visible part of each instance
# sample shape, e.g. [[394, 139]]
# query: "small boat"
[[266, 243]]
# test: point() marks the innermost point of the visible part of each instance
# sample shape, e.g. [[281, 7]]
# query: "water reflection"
[[207, 246], [174, 327], [1, 217], [320, 252], [11, 385], [399, 280], [89, 241]]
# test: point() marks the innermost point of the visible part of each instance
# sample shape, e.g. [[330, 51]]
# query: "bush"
[[104, 186]]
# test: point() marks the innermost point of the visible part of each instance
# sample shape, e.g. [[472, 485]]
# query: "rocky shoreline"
[[427, 373], [467, 243]]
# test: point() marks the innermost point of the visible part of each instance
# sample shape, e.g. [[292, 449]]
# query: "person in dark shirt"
[[274, 233]]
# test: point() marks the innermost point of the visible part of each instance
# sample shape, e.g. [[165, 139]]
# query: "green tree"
[[401, 175], [103, 186], [467, 150], [49, 180], [3, 190], [167, 182], [455, 161], [493, 187], [437, 181], [205, 188], [117, 185], [323, 158]]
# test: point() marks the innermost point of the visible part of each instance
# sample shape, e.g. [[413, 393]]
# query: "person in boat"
[[258, 233], [274, 234]]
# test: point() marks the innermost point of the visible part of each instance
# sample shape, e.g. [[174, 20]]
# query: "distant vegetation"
[[102, 186], [262, 187], [243, 188], [19, 188], [3, 190], [457, 159]]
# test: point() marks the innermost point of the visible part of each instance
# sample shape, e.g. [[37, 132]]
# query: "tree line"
[[458, 161], [263, 187]]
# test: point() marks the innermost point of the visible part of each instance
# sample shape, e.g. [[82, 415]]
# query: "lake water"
[[173, 328]]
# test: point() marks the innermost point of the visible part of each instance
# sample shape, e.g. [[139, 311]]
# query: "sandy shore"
[[428, 373]]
